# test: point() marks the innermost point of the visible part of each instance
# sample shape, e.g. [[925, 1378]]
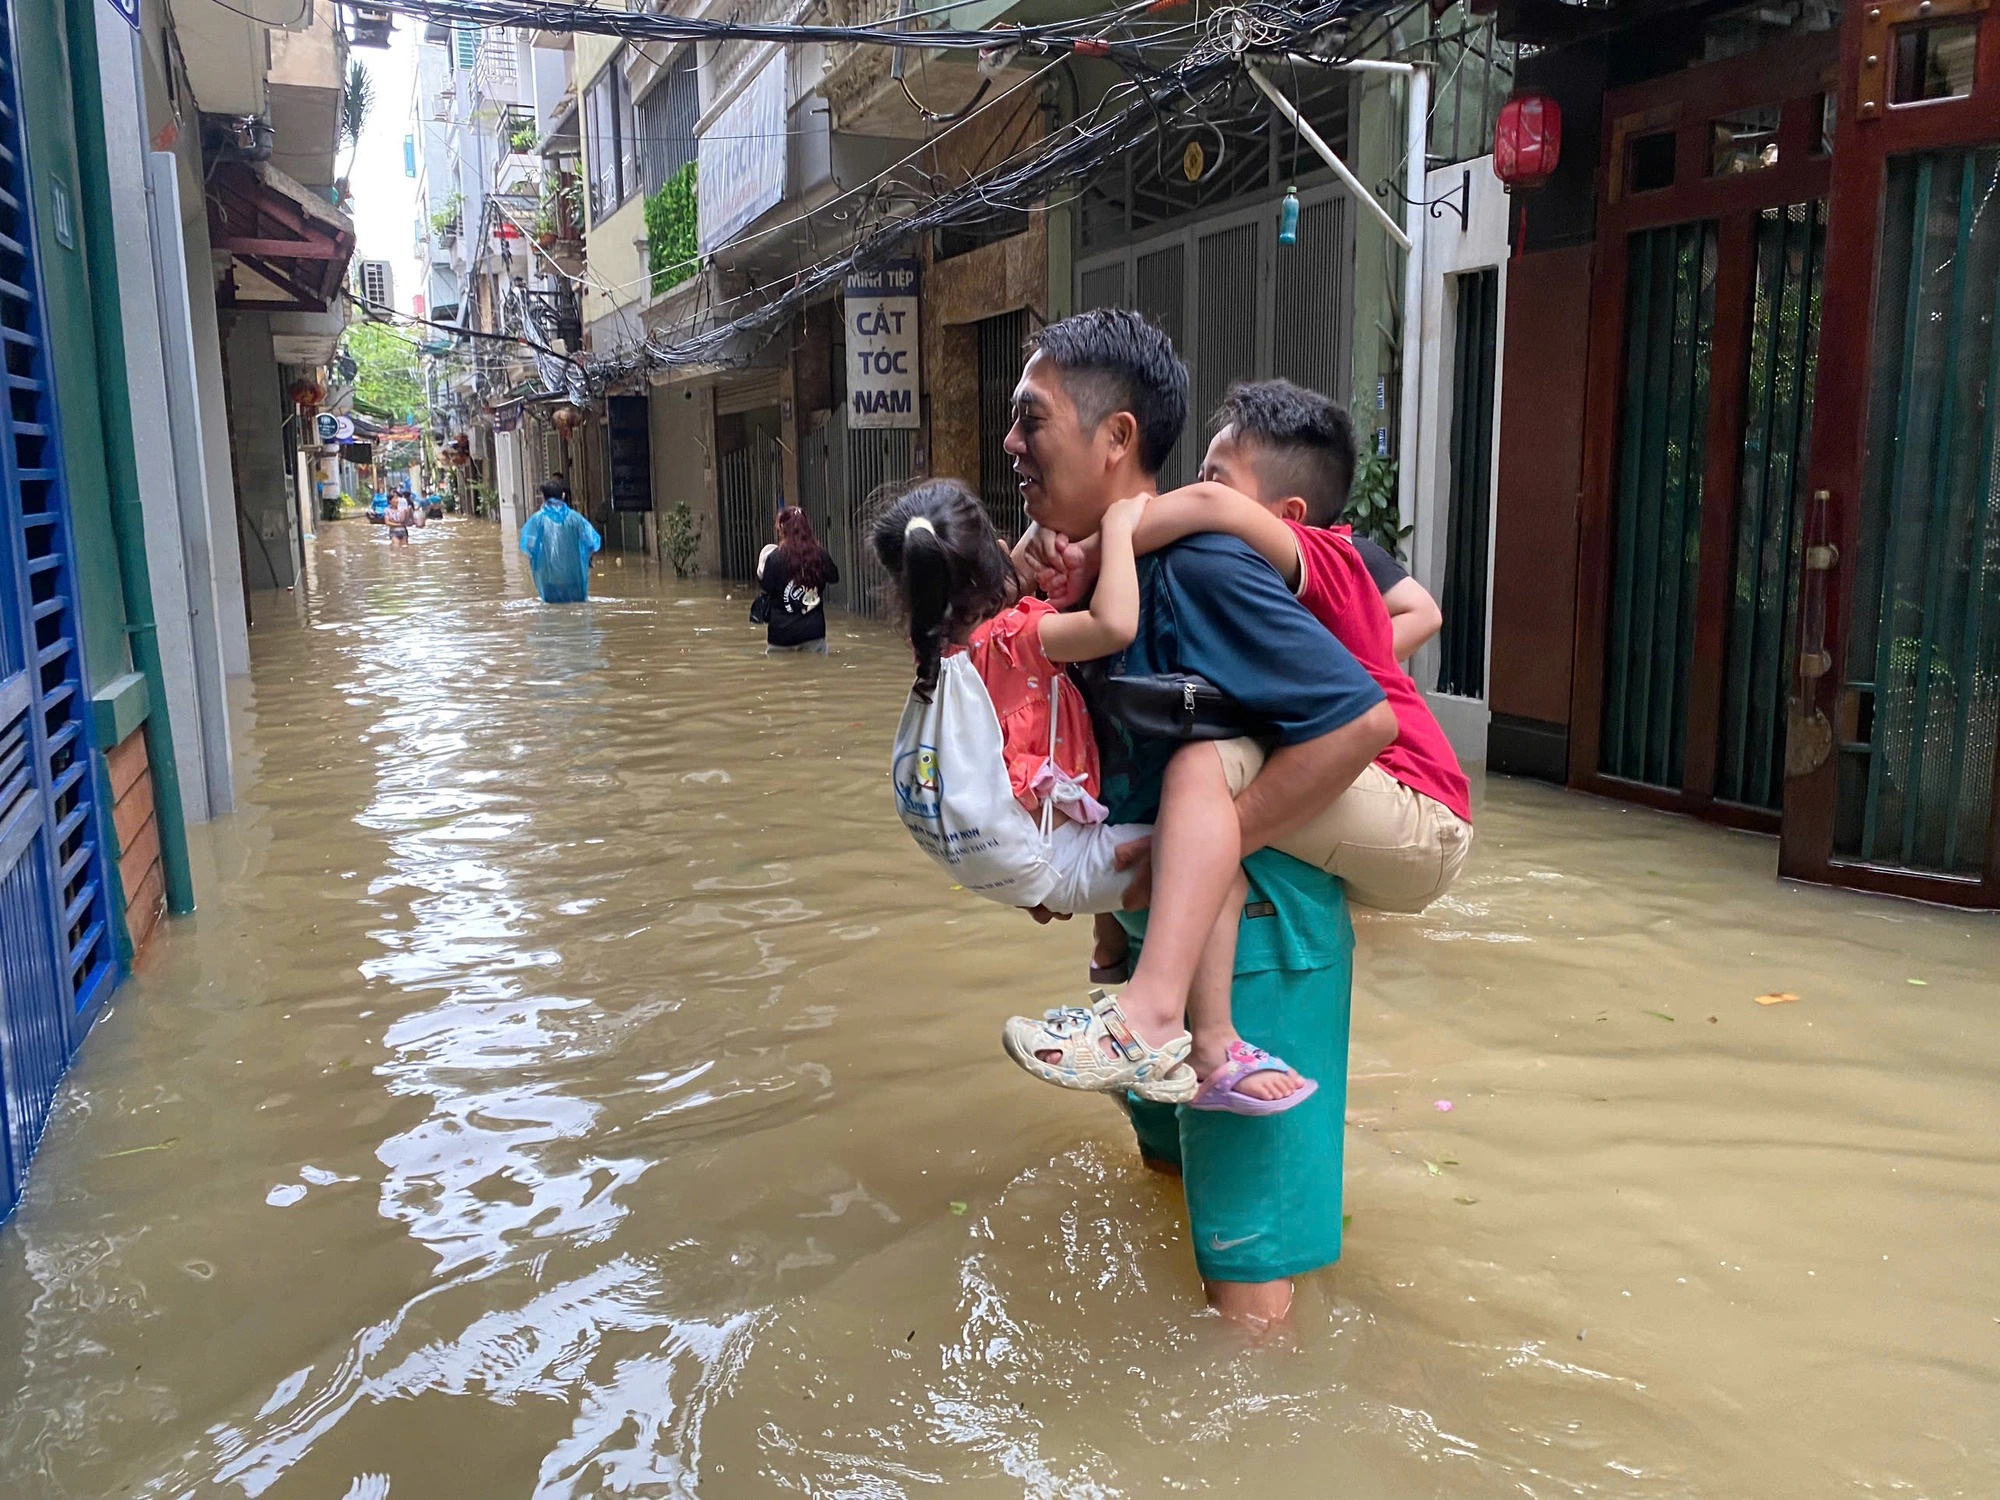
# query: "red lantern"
[[1527, 140], [567, 419]]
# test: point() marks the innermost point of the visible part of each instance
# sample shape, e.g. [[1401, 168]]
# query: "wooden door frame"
[[1792, 74], [1863, 146]]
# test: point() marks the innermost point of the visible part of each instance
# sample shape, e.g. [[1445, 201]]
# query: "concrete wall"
[[264, 490], [958, 294], [226, 544], [1449, 250], [618, 263], [161, 402], [683, 443]]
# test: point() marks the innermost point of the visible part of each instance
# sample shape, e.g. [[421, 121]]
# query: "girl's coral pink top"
[[1007, 654]]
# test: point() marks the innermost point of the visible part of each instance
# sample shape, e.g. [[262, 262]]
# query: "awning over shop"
[[290, 246]]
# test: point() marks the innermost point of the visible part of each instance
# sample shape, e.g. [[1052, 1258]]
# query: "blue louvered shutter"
[[57, 958]]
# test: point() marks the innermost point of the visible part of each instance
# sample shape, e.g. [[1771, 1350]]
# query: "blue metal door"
[[57, 956]]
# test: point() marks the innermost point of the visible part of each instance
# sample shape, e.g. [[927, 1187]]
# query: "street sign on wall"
[[129, 9], [881, 313], [740, 169]]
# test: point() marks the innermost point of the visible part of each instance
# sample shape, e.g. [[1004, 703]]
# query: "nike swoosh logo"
[[1217, 1242]]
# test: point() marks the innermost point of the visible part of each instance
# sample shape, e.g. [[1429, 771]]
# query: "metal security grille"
[[1669, 338], [1226, 321], [1102, 287], [1242, 149], [1777, 432], [1314, 285], [1238, 305], [844, 477], [1923, 669], [1159, 290], [1473, 73], [666, 119], [872, 460], [1462, 641], [496, 58], [746, 523], [1002, 347], [56, 958]]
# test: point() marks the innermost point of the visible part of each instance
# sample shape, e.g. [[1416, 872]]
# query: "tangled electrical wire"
[[1156, 98], [1051, 38]]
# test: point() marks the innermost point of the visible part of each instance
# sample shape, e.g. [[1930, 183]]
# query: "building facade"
[[1744, 557], [164, 282]]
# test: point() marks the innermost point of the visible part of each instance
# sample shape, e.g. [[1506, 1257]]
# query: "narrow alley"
[[573, 1083]]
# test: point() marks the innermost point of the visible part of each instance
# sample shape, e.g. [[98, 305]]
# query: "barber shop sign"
[[882, 346]]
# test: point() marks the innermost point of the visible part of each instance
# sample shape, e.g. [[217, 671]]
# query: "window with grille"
[[464, 47], [1472, 74], [610, 141], [666, 119]]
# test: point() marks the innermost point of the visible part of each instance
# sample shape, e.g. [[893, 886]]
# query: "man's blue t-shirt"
[[1212, 605]]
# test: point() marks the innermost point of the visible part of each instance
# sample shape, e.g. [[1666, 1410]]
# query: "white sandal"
[[1158, 1073]]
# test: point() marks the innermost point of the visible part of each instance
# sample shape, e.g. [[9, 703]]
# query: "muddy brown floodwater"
[[575, 1084]]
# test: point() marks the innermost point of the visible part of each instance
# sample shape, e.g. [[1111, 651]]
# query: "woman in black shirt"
[[794, 575]]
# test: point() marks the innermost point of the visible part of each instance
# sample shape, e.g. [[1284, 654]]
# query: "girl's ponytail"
[[950, 570], [925, 583]]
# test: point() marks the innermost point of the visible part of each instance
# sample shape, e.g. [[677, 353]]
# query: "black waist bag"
[[1178, 706]]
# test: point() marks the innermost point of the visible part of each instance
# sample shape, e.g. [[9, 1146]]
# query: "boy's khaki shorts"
[[1393, 848]]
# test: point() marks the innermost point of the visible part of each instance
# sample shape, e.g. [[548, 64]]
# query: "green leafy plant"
[[562, 205], [445, 220], [673, 252], [521, 139], [386, 375], [356, 99], [1371, 504], [682, 539]]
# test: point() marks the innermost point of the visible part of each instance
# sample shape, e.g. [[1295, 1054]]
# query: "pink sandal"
[[1219, 1092]]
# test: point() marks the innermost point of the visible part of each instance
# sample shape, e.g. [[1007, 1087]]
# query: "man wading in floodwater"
[[1098, 408], [559, 544]]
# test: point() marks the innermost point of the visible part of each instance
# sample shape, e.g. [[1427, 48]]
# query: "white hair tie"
[[919, 523]]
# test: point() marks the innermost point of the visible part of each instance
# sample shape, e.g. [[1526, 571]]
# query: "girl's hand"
[[1125, 513]]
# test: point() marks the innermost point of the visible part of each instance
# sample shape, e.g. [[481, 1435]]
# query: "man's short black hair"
[[1303, 443], [1113, 360], [555, 489]]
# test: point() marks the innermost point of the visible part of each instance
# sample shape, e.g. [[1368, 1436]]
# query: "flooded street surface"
[[575, 1084]]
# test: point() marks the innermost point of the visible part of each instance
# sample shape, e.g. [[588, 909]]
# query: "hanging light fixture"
[[1527, 140]]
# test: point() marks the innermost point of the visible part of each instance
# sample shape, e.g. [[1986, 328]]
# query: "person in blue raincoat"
[[558, 543]]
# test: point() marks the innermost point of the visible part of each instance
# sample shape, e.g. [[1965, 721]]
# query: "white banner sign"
[[882, 347], [740, 159]]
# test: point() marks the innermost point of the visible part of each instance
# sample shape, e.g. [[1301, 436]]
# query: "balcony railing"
[[518, 130]]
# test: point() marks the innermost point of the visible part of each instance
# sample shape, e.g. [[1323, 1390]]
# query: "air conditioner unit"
[[369, 28]]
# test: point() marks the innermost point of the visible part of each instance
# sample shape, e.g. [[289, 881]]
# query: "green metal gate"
[[1670, 333], [1922, 669], [1790, 245]]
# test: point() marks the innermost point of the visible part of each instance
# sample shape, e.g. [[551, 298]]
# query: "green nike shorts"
[[1264, 1194]]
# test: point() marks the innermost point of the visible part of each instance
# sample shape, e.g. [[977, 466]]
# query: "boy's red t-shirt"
[[1337, 590]]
